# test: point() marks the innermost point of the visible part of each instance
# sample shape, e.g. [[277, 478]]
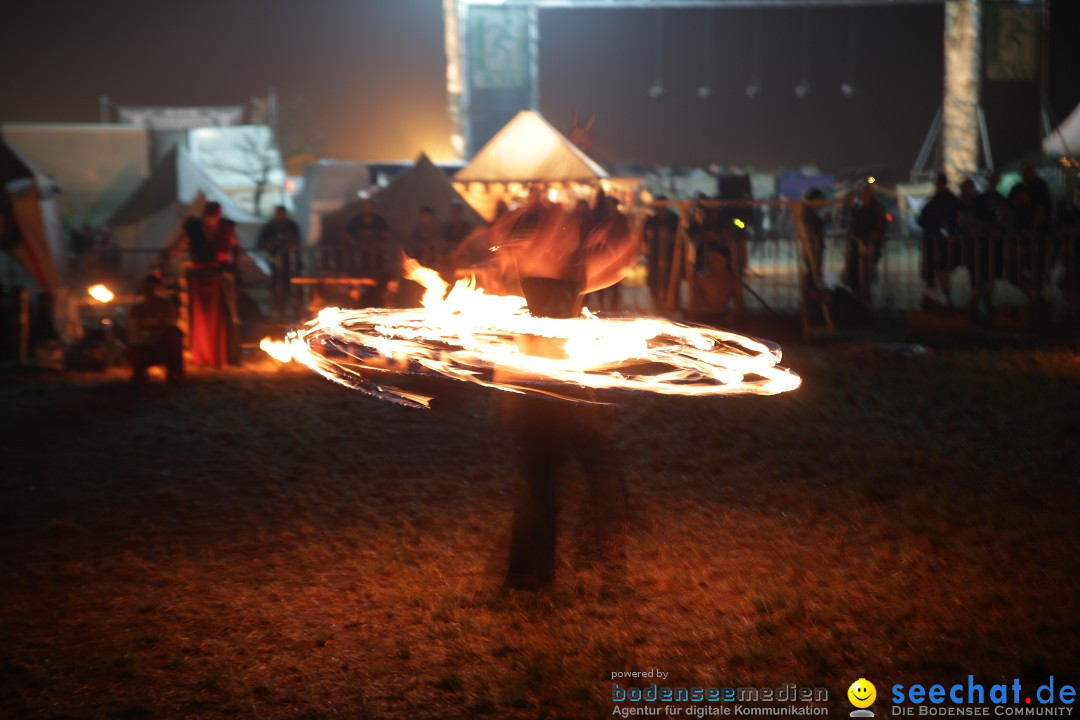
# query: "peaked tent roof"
[[29, 196], [530, 149], [424, 184], [1065, 140]]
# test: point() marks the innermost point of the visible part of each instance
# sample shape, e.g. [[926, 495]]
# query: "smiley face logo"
[[862, 693]]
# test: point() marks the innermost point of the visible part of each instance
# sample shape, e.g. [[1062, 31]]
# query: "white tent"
[[530, 149], [29, 203], [1065, 140], [151, 218], [423, 185], [96, 166]]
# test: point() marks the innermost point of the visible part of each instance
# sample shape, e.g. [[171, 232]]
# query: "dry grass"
[[262, 543]]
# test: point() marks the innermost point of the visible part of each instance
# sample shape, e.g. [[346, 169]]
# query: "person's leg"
[[138, 357], [172, 354], [533, 534]]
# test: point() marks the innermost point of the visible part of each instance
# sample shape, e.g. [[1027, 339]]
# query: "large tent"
[[97, 166], [530, 149], [28, 203], [151, 218], [1065, 140], [424, 184]]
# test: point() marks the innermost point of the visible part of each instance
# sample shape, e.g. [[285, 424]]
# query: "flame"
[[471, 336], [100, 293], [280, 351]]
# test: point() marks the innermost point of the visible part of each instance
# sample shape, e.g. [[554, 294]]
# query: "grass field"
[[260, 543]]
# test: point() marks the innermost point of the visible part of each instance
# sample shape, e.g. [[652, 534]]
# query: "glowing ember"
[[475, 337], [100, 293], [276, 349]]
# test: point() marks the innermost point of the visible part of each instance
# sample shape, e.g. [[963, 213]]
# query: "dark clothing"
[[865, 242], [280, 240], [814, 226], [367, 251], [216, 249], [660, 232], [154, 339], [938, 221], [455, 233], [169, 351]]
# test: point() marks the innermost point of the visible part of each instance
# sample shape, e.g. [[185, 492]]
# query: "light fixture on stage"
[[656, 91], [753, 90], [802, 90], [704, 92], [848, 89]]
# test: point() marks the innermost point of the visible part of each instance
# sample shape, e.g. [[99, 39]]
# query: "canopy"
[[28, 203], [1065, 140], [424, 184], [529, 149]]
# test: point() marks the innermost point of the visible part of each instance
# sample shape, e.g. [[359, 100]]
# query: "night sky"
[[365, 79]]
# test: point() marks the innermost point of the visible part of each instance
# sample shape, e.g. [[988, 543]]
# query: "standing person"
[[457, 228], [661, 230], [938, 221], [367, 240], [814, 227], [992, 218], [211, 242], [153, 338], [865, 241], [280, 240], [1035, 235]]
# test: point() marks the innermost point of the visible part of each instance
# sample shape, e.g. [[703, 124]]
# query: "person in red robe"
[[211, 242]]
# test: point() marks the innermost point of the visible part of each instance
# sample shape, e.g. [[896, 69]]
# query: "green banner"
[[499, 46], [1012, 43]]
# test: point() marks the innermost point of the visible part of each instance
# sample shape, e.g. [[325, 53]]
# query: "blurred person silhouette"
[[213, 318], [865, 243], [814, 227], [367, 243], [280, 240], [557, 266], [992, 214], [457, 228], [1034, 235], [938, 222], [152, 335]]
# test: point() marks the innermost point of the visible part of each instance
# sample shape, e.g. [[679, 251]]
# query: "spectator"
[[938, 221], [280, 240], [814, 227], [457, 228], [367, 245], [153, 338], [993, 219], [865, 241], [661, 230]]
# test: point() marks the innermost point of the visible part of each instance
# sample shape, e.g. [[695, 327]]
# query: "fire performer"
[[211, 243], [557, 265]]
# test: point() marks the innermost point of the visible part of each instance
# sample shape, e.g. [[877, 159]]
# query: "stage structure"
[[492, 64]]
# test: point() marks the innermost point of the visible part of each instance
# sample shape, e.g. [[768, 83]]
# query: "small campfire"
[[490, 340], [101, 293]]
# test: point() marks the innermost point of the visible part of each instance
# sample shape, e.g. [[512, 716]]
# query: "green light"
[[740, 224]]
